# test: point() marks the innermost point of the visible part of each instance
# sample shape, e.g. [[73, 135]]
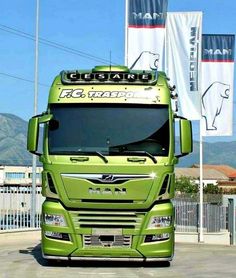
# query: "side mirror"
[[185, 134], [186, 141], [33, 131], [32, 137]]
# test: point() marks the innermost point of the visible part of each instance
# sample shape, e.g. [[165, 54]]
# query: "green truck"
[[108, 165]]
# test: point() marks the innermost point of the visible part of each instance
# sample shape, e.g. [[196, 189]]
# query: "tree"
[[212, 189], [186, 185]]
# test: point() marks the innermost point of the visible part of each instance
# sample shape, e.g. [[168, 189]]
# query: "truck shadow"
[[36, 253]]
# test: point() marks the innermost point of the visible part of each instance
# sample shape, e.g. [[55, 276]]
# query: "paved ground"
[[20, 256]]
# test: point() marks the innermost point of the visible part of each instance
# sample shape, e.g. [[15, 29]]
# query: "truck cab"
[[108, 165]]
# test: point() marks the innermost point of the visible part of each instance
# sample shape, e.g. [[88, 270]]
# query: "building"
[[18, 176], [210, 176], [229, 171], [222, 175]]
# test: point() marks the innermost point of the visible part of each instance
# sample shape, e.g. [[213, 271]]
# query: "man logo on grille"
[[107, 191], [107, 178]]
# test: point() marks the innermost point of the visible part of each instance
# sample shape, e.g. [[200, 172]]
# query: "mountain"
[[213, 153], [13, 134]]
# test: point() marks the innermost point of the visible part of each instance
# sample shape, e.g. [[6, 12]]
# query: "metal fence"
[[15, 203], [215, 215]]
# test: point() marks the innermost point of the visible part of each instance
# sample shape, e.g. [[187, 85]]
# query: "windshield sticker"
[[79, 93]]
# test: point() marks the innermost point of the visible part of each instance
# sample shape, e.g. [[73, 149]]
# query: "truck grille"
[[107, 241], [106, 219]]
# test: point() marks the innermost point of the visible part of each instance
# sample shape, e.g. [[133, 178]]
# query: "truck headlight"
[[159, 222], [55, 220]]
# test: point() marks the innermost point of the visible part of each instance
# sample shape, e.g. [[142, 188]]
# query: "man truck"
[[108, 160]]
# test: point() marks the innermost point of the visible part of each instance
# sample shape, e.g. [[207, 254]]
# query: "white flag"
[[183, 58], [145, 33], [217, 84]]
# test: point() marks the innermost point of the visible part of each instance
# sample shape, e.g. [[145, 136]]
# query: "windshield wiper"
[[94, 152], [100, 155], [84, 153], [139, 153]]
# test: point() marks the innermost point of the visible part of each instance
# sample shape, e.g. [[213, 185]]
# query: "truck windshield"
[[109, 129]]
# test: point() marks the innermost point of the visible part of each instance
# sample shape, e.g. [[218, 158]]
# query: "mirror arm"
[[179, 117], [36, 153], [181, 155], [45, 118]]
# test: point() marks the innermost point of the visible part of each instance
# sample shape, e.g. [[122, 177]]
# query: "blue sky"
[[93, 27]]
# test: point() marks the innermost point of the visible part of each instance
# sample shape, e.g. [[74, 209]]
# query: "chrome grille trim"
[[106, 219], [107, 178], [96, 241]]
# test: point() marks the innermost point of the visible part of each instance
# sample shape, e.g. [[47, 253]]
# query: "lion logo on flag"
[[213, 101], [147, 59]]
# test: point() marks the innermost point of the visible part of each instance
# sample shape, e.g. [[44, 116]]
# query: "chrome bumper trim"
[[118, 259]]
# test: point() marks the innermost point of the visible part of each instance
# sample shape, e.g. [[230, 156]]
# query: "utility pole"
[[34, 162]]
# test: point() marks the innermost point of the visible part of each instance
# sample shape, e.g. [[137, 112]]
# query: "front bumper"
[[116, 259], [77, 230]]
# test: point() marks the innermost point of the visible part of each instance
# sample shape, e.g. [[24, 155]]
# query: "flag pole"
[[201, 237], [126, 32]]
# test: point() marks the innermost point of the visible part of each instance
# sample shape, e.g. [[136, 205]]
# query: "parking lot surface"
[[20, 256]]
